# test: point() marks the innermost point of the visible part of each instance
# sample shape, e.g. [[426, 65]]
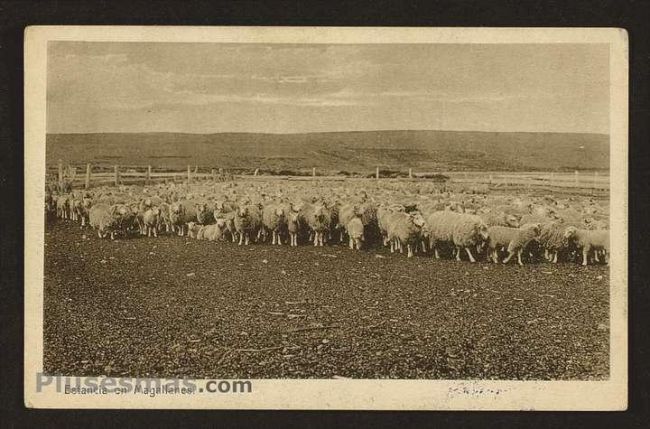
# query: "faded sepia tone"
[[331, 214]]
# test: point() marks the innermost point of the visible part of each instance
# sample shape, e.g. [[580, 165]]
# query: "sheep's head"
[[243, 211], [293, 217], [221, 223], [417, 219], [192, 229], [570, 232], [512, 221], [279, 212], [481, 230]]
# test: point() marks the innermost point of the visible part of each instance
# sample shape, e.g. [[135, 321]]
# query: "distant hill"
[[339, 151]]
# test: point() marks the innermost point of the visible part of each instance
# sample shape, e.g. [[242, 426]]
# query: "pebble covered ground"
[[177, 307]]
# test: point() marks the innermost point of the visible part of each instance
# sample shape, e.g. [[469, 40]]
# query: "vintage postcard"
[[326, 218]]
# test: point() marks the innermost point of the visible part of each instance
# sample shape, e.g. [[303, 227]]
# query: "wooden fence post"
[[117, 175], [148, 174], [377, 173], [60, 174], [189, 174], [88, 172], [410, 173], [214, 175], [576, 177], [490, 182], [313, 171]]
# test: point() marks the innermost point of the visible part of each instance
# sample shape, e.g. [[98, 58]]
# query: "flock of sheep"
[[406, 216]]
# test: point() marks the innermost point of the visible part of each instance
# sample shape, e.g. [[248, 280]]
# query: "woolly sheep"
[[204, 214], [293, 227], [274, 220], [501, 219], [105, 219], [588, 240], [460, 229], [552, 240], [354, 229], [405, 229], [81, 208], [514, 240], [318, 219], [247, 221], [179, 217], [150, 221]]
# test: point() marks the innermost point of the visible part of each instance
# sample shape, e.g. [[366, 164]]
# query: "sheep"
[[460, 229], [246, 221], [354, 229], [318, 218], [384, 215], [164, 217], [214, 232], [179, 217], [588, 240], [195, 230], [514, 240], [405, 228], [501, 219], [204, 214], [274, 220], [551, 239], [210, 232], [105, 219], [346, 213], [150, 221], [81, 208], [63, 206], [293, 227]]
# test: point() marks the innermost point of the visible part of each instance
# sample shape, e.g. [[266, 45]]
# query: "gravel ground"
[[173, 307]]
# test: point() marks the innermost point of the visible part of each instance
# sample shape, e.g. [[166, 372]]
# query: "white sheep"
[[150, 219], [405, 229], [247, 221], [355, 231], [318, 219], [514, 240], [384, 215], [105, 219], [552, 240], [460, 229], [81, 209], [494, 218], [588, 240], [274, 220], [293, 227]]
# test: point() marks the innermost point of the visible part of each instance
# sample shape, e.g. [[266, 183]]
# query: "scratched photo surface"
[[325, 211]]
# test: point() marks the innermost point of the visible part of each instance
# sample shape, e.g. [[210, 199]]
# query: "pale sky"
[[209, 88]]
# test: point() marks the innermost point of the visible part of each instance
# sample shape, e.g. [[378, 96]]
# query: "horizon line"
[[326, 132]]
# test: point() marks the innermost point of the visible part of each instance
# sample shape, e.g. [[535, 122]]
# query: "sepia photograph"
[[275, 206]]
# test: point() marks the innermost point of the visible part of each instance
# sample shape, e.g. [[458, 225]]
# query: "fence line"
[[129, 174]]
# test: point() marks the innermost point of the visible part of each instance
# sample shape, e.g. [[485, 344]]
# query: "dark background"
[[16, 15]]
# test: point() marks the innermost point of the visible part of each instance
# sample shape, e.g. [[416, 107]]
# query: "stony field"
[[174, 306]]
